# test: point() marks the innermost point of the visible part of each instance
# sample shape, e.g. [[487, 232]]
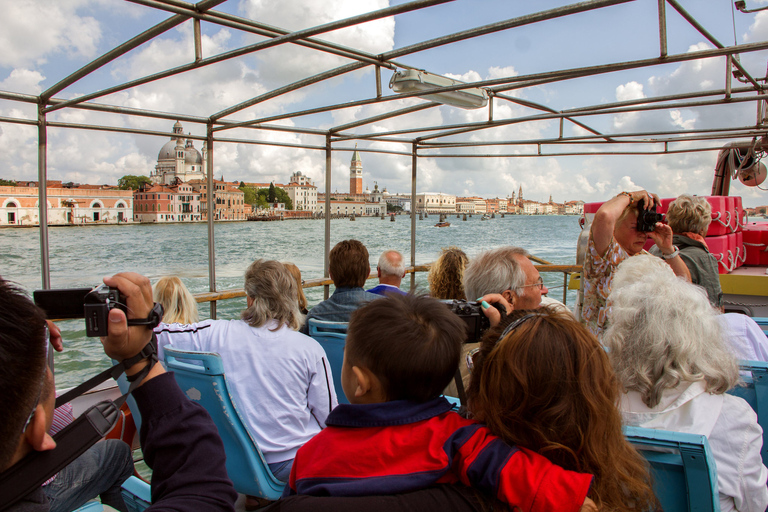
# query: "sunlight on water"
[[82, 256]]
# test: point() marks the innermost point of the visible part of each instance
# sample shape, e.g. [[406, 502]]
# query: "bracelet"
[[631, 199], [671, 255]]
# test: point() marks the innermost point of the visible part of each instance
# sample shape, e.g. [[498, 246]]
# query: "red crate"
[[755, 236], [721, 248]]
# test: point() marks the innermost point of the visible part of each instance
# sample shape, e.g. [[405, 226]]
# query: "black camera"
[[93, 304], [647, 219], [473, 316]]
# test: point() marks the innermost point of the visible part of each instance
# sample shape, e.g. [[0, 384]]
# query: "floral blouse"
[[597, 276]]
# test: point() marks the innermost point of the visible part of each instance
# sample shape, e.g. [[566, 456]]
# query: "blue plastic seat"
[[755, 392], [137, 496], [331, 336], [762, 322], [682, 466], [207, 385]]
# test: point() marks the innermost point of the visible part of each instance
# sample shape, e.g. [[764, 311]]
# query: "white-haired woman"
[[666, 345], [280, 379], [614, 237], [689, 217]]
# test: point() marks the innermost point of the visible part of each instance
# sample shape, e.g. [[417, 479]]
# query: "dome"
[[192, 156], [168, 151]]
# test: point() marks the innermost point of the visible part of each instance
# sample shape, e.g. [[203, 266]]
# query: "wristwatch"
[[671, 255]]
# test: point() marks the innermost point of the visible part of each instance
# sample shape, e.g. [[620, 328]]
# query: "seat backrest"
[[137, 494], [755, 393], [762, 322], [201, 377], [123, 384], [682, 466], [331, 336]]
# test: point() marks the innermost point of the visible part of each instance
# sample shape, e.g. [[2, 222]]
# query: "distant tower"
[[512, 199], [520, 196], [550, 198], [356, 174]]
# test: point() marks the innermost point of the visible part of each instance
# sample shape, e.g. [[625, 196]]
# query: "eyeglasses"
[[539, 282], [42, 384], [511, 327]]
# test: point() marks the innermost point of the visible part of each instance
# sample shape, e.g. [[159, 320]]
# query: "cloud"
[[23, 80]]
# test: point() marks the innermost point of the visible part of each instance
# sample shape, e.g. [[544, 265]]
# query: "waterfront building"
[[158, 203], [302, 192], [436, 202], [357, 208], [228, 199], [178, 160], [573, 208], [530, 207], [401, 200], [358, 201], [67, 205]]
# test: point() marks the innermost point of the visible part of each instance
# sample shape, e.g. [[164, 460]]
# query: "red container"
[[755, 236], [741, 218], [722, 218], [592, 207], [721, 248]]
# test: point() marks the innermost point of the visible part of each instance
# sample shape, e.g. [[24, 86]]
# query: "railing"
[[544, 266]]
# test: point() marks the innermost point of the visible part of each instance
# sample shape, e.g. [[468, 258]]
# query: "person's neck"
[[391, 281]]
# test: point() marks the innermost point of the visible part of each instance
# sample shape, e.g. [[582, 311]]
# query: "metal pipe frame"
[[327, 251], [42, 190], [211, 213]]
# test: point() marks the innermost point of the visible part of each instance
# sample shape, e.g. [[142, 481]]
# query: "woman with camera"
[[619, 230]]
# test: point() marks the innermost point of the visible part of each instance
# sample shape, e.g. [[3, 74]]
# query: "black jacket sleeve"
[[184, 450]]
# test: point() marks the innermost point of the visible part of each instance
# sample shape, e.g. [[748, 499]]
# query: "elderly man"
[[507, 271], [391, 270], [348, 268]]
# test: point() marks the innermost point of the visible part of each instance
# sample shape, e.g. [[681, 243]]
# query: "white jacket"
[[731, 428], [280, 380]]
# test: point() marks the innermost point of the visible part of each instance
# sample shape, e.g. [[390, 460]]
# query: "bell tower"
[[356, 174]]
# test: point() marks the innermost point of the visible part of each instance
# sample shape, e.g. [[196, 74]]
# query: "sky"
[[41, 42]]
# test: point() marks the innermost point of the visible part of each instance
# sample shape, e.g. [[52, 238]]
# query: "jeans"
[[281, 470], [100, 471]]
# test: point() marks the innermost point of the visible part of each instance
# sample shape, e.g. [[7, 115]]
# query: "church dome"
[[168, 151], [192, 156]]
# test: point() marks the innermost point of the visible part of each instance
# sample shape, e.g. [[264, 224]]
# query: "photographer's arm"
[[662, 237], [605, 218]]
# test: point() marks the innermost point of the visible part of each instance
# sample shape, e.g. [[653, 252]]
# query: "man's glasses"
[[42, 384], [539, 282]]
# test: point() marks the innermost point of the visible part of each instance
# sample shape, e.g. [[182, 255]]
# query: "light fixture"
[[414, 80]]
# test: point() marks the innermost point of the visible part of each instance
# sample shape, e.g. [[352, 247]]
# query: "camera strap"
[[73, 440]]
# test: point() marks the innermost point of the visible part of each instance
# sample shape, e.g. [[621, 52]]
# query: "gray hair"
[[274, 293], [663, 332], [495, 271], [689, 214], [390, 269]]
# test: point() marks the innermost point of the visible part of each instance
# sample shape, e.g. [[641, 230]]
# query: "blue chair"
[[207, 385], [331, 336], [755, 392], [137, 496], [762, 322], [683, 470]]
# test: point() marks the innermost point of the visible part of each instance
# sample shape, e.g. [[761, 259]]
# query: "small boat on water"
[[443, 225], [485, 217]]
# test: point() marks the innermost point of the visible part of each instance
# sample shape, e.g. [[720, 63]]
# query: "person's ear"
[[362, 381], [36, 434], [510, 297], [378, 272], [249, 301]]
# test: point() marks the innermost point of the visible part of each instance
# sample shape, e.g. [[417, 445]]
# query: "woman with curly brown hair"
[[540, 380], [446, 274]]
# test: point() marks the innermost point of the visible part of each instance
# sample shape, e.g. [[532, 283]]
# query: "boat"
[[485, 217], [577, 131], [443, 224]]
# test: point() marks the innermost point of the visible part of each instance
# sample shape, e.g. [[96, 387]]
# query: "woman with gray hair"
[[666, 346], [689, 217], [280, 379]]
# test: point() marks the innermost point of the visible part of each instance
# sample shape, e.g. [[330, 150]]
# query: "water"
[[82, 256]]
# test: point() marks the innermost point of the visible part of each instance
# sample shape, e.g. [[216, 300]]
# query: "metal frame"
[[425, 141]]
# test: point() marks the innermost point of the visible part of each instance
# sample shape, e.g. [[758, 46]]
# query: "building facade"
[[435, 202], [302, 192], [178, 160], [75, 205]]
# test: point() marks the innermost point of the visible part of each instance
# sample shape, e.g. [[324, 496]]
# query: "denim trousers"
[[100, 471]]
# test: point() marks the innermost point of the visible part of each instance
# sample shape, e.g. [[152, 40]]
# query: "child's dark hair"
[[411, 343]]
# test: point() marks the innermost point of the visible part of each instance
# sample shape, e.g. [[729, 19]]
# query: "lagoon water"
[[82, 256]]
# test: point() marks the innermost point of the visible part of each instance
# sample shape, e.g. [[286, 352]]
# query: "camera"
[[647, 219], [93, 304], [473, 316]]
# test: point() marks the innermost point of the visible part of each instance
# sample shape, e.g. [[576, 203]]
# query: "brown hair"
[[446, 274], [548, 386], [348, 264], [296, 273], [410, 342]]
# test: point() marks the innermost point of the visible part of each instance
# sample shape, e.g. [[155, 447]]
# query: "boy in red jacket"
[[399, 435]]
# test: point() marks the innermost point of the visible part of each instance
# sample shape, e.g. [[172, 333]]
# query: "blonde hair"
[[446, 274], [296, 273], [273, 290], [179, 304], [689, 214]]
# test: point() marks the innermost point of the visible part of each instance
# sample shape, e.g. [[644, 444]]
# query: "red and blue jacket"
[[401, 446]]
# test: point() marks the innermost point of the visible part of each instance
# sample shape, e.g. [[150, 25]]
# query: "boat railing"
[[544, 266]]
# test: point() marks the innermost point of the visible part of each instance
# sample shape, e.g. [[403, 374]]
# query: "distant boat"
[[484, 217], [443, 225]]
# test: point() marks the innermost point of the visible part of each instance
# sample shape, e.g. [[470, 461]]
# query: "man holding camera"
[[179, 440], [619, 230]]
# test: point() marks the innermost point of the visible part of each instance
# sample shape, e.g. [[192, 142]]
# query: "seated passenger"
[[666, 346], [446, 274], [391, 270], [399, 435], [689, 217], [745, 338], [179, 305], [614, 237], [349, 268], [296, 273], [568, 415], [280, 379]]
